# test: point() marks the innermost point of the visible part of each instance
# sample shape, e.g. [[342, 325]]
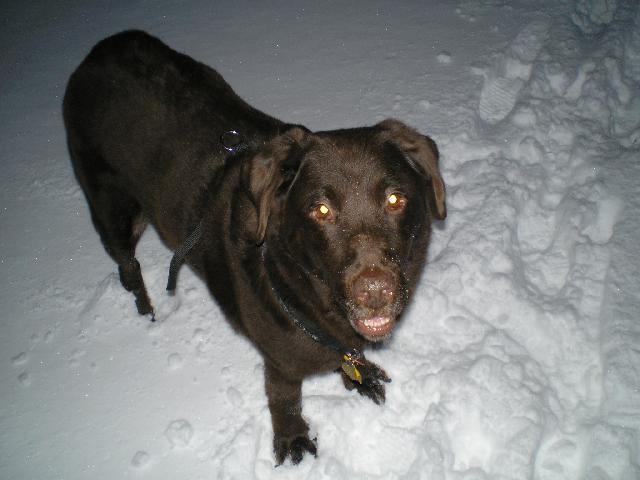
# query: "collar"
[[351, 357]]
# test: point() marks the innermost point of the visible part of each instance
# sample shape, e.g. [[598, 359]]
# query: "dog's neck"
[[350, 356]]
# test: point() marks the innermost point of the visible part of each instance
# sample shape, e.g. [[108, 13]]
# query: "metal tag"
[[349, 367]]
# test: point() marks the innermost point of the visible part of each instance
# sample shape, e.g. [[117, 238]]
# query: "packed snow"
[[520, 355]]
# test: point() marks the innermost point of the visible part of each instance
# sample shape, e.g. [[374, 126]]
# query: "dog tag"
[[351, 370]]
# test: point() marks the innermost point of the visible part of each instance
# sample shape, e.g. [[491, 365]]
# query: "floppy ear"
[[422, 153], [275, 164]]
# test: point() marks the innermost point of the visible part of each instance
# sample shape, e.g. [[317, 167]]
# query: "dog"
[[311, 242]]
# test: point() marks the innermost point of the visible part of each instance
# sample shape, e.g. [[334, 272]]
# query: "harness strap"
[[233, 142], [179, 255]]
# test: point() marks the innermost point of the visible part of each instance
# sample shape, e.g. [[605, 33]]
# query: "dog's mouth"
[[375, 328]]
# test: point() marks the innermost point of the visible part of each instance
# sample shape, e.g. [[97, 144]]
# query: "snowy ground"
[[521, 355]]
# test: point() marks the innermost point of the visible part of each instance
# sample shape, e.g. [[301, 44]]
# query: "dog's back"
[[152, 117]]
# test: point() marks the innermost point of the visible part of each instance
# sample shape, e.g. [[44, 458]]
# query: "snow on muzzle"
[[374, 295]]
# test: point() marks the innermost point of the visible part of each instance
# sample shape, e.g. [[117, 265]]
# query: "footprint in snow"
[[444, 57], [174, 361], [140, 459], [19, 359], [25, 379], [498, 97], [74, 358], [179, 433], [510, 72], [235, 397]]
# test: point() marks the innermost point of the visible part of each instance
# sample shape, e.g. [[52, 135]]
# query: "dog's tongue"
[[375, 326]]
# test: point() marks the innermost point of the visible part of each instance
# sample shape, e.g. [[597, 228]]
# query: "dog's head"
[[353, 208]]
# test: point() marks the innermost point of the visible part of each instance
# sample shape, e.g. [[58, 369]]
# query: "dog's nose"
[[374, 288]]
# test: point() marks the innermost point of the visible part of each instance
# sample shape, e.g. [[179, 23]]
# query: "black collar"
[[351, 357]]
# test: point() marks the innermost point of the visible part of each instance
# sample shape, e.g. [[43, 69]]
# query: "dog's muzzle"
[[374, 294]]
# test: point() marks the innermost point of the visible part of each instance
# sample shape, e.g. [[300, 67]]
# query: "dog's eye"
[[321, 212], [396, 202]]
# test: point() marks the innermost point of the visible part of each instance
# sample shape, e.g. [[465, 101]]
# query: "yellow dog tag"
[[349, 367]]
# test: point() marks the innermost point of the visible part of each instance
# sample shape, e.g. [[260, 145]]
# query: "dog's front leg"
[[290, 431]]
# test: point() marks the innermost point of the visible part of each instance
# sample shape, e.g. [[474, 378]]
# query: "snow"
[[520, 356]]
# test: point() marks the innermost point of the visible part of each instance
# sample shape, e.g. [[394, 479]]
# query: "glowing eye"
[[322, 212], [396, 202]]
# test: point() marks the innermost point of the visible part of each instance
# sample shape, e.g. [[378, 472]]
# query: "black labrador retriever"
[[311, 242]]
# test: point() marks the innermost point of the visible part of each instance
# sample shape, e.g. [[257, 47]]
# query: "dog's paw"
[[295, 448], [144, 308], [372, 378]]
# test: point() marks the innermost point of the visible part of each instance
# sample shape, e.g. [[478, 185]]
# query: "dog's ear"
[[422, 153], [275, 164]]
